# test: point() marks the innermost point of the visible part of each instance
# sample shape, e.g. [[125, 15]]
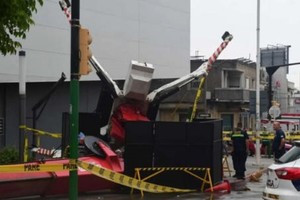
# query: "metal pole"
[[257, 129], [270, 92], [35, 116], [22, 93], [74, 91]]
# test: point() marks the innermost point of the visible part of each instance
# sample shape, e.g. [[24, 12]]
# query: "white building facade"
[[153, 31]]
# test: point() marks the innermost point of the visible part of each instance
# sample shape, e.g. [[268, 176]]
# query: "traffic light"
[[85, 54]]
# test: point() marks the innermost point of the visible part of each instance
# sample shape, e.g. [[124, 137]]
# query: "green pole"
[[74, 92], [73, 184]]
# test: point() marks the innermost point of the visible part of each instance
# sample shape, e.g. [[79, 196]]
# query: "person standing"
[[278, 145], [240, 149]]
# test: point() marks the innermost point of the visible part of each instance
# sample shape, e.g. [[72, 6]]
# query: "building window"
[[253, 84], [227, 122], [247, 84], [232, 79], [244, 118]]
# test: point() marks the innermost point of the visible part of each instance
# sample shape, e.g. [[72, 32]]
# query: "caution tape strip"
[[36, 167], [266, 138], [94, 169], [40, 132], [172, 168], [128, 181]]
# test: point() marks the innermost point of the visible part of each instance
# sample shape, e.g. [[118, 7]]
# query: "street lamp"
[[257, 127]]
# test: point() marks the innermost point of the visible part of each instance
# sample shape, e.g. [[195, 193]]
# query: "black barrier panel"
[[208, 156], [217, 166], [137, 156], [199, 155], [139, 133], [139, 142], [200, 133], [204, 139], [170, 155], [175, 144], [204, 132], [218, 130], [170, 133]]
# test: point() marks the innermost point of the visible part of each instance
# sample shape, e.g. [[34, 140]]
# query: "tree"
[[15, 21]]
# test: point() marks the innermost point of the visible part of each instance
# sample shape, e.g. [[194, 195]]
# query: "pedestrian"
[[240, 150], [278, 145]]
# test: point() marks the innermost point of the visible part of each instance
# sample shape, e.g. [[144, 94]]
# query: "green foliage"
[[9, 155], [15, 21]]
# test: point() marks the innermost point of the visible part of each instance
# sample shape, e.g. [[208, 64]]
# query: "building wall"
[[156, 31], [237, 104], [178, 106], [279, 87], [50, 119]]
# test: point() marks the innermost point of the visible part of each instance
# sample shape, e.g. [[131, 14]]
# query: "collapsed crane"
[[134, 102]]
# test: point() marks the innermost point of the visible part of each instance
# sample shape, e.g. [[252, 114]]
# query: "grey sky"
[[279, 24]]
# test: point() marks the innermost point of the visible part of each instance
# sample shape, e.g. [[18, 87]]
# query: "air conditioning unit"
[[208, 95]]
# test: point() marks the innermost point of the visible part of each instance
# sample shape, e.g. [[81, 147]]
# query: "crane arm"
[[161, 93]]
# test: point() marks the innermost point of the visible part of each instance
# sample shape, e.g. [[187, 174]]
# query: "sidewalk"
[[251, 164], [251, 167]]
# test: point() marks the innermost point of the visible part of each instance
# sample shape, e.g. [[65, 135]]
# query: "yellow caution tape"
[[128, 181], [36, 167], [172, 168], [96, 170], [267, 138], [25, 151], [40, 132]]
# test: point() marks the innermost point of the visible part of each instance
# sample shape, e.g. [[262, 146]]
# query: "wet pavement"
[[245, 189]]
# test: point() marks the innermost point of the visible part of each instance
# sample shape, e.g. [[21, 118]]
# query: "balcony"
[[232, 95]]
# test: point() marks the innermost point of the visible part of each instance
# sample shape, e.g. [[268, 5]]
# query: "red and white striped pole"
[[227, 37], [66, 7]]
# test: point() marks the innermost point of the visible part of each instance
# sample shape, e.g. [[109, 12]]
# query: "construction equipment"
[[226, 39], [135, 102]]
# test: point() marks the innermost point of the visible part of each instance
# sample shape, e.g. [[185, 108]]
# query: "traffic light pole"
[[74, 92]]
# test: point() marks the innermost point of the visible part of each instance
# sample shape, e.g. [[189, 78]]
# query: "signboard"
[[203, 115], [297, 101], [274, 111]]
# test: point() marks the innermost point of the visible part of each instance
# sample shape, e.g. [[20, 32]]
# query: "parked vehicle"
[[283, 182]]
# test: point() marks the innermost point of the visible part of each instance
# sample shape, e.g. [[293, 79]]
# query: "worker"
[[278, 146], [240, 151]]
